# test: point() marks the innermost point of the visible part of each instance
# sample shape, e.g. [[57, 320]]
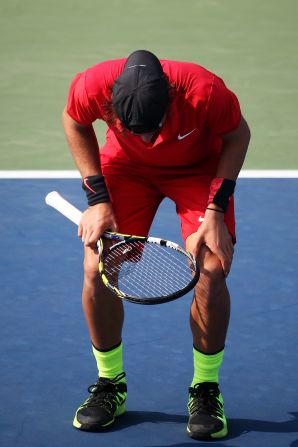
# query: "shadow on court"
[[237, 427], [45, 358]]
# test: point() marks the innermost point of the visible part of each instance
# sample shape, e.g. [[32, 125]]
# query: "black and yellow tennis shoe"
[[206, 412], [105, 403]]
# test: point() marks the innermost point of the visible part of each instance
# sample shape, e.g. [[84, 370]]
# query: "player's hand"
[[214, 234], [95, 220]]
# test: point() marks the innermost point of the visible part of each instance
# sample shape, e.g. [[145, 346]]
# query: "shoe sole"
[[95, 427], [203, 437]]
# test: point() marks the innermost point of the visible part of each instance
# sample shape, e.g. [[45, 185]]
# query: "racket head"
[[147, 270]]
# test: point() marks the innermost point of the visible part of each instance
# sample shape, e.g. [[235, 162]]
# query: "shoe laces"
[[105, 392], [205, 399]]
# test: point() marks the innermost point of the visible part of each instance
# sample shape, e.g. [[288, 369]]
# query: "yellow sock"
[[206, 366], [109, 363]]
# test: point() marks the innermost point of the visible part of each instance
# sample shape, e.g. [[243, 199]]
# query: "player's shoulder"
[[185, 70], [102, 75], [188, 77]]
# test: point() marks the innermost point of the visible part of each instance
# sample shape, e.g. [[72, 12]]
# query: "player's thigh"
[[190, 194], [135, 202]]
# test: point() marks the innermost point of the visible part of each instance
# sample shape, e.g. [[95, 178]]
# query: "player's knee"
[[212, 278], [212, 269], [91, 272]]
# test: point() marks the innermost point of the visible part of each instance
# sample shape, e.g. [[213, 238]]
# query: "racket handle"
[[55, 200]]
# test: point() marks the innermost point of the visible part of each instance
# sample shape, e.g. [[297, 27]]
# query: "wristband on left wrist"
[[215, 209], [221, 190]]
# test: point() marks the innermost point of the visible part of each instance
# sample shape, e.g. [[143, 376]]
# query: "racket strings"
[[173, 263], [147, 270], [141, 249], [172, 269]]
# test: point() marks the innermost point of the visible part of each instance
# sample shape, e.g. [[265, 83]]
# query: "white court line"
[[249, 173], [261, 173], [39, 174]]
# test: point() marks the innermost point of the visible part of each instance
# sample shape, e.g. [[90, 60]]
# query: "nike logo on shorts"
[[181, 137], [201, 219]]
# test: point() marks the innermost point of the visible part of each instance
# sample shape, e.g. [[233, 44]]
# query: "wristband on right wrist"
[[96, 189]]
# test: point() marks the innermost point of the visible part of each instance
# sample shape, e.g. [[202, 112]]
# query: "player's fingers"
[[86, 236], [224, 258], [83, 233], [114, 226], [80, 230], [227, 253], [226, 265], [199, 245], [194, 245], [93, 237]]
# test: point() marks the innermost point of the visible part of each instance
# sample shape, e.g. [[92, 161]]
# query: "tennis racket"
[[142, 270]]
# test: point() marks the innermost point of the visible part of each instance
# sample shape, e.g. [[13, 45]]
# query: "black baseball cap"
[[141, 94]]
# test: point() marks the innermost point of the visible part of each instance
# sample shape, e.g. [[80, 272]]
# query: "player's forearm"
[[235, 145], [83, 146]]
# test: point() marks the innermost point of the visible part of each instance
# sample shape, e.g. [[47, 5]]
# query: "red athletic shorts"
[[137, 191]]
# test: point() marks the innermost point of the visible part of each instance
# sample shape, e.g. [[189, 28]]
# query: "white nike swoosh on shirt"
[[180, 137], [201, 219]]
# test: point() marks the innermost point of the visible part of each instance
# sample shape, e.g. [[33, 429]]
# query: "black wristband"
[[215, 209], [96, 189], [221, 190]]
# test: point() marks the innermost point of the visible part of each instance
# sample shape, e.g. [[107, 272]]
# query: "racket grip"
[[56, 201]]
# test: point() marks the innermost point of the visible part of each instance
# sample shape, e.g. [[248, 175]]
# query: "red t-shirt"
[[201, 110]]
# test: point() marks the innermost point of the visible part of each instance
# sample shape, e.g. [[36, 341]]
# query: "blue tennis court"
[[46, 359]]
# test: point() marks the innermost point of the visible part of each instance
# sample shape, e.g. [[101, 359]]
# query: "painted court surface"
[[46, 361]]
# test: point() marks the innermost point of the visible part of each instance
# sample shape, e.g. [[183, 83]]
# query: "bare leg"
[[210, 309], [103, 311]]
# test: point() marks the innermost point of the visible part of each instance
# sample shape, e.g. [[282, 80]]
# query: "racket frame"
[[55, 200], [124, 239]]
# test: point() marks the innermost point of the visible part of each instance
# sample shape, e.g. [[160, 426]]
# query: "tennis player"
[[173, 130]]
